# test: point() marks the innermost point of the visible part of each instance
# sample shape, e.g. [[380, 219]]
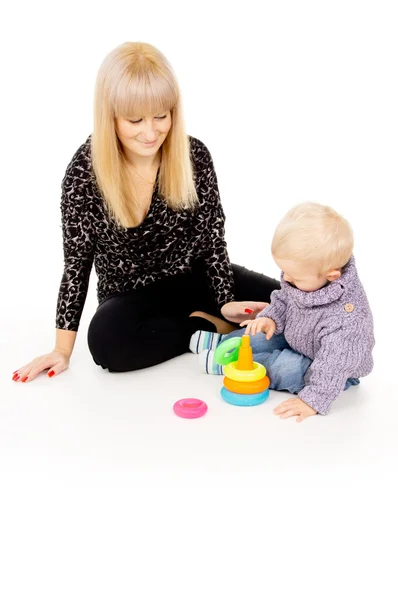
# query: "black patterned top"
[[166, 243]]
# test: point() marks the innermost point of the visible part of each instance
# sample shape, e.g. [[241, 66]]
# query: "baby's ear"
[[333, 275]]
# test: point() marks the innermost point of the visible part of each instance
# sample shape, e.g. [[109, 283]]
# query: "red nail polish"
[[24, 379], [15, 377], [249, 311], [51, 373]]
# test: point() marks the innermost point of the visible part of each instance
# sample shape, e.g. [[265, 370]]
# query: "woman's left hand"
[[236, 312]]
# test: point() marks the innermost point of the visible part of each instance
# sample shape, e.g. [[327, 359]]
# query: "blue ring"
[[244, 399]]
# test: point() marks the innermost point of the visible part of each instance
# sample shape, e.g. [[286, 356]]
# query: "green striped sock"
[[206, 361], [204, 340]]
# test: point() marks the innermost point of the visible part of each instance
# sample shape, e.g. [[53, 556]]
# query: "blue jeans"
[[285, 367]]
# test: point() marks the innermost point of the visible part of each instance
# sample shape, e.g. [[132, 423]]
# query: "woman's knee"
[[135, 343], [108, 336]]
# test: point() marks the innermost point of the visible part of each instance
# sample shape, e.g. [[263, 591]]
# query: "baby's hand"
[[294, 407], [262, 324]]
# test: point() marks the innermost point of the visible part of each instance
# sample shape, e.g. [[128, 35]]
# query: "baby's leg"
[[351, 381], [288, 370], [285, 369]]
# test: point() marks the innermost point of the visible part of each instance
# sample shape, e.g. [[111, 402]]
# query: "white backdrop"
[[296, 100]]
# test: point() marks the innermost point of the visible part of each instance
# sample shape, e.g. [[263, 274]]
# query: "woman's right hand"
[[236, 311], [55, 362]]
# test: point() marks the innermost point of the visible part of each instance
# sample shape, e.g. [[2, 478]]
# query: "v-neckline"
[[154, 200]]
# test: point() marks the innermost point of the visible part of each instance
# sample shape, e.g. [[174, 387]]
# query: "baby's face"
[[303, 276]]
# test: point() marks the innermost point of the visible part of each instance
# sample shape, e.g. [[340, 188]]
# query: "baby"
[[316, 337]]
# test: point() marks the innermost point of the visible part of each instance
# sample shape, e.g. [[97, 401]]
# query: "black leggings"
[[145, 327]]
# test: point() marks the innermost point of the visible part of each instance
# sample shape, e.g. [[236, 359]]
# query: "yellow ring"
[[246, 387], [232, 372]]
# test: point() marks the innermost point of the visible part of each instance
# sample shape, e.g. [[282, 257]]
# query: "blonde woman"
[[316, 337], [140, 201]]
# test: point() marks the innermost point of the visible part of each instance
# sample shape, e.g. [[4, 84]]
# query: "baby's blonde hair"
[[316, 233]]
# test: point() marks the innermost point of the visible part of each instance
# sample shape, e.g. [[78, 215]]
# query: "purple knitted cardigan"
[[333, 326]]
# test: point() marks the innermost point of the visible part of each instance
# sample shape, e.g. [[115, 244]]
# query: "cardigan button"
[[349, 308]]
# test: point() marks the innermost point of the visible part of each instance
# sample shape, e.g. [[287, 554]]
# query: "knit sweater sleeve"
[[276, 310], [79, 242], [340, 356], [215, 254]]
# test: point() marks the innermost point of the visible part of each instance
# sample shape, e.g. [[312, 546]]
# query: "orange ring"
[[249, 387]]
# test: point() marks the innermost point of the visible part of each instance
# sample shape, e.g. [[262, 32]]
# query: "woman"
[[140, 201]]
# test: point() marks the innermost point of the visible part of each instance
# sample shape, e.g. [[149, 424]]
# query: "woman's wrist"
[[65, 341], [65, 351]]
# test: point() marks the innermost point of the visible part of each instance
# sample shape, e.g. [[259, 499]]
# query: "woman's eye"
[[139, 120]]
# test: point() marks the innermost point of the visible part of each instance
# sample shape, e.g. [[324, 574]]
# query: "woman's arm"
[[79, 241]]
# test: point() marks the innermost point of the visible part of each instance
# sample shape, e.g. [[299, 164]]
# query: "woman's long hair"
[[135, 78]]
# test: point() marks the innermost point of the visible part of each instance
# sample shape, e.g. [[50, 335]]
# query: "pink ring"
[[190, 408]]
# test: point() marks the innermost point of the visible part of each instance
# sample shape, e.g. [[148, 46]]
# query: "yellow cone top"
[[245, 358]]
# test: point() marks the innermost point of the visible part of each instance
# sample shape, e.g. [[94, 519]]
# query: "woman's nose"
[[150, 132]]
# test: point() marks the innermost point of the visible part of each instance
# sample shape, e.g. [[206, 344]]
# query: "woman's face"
[[143, 136]]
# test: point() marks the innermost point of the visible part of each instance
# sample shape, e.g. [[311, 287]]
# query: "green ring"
[[223, 354]]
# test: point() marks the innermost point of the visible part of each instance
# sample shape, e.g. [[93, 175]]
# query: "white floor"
[[101, 480]]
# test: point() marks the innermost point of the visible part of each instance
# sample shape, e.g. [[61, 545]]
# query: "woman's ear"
[[333, 275]]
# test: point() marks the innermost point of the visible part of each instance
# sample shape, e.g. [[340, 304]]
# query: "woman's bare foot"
[[222, 326]]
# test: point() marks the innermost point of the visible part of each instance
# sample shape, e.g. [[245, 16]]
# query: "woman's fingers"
[[38, 368], [34, 368], [55, 363], [256, 307], [21, 373], [57, 369]]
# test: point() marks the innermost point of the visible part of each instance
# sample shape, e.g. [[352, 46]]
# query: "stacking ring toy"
[[232, 372], [244, 400], [190, 408], [228, 351], [249, 387]]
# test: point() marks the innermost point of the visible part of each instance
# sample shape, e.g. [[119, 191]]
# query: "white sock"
[[204, 340], [206, 361]]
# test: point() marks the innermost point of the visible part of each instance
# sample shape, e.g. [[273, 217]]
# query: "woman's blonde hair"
[[316, 233], [135, 78]]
